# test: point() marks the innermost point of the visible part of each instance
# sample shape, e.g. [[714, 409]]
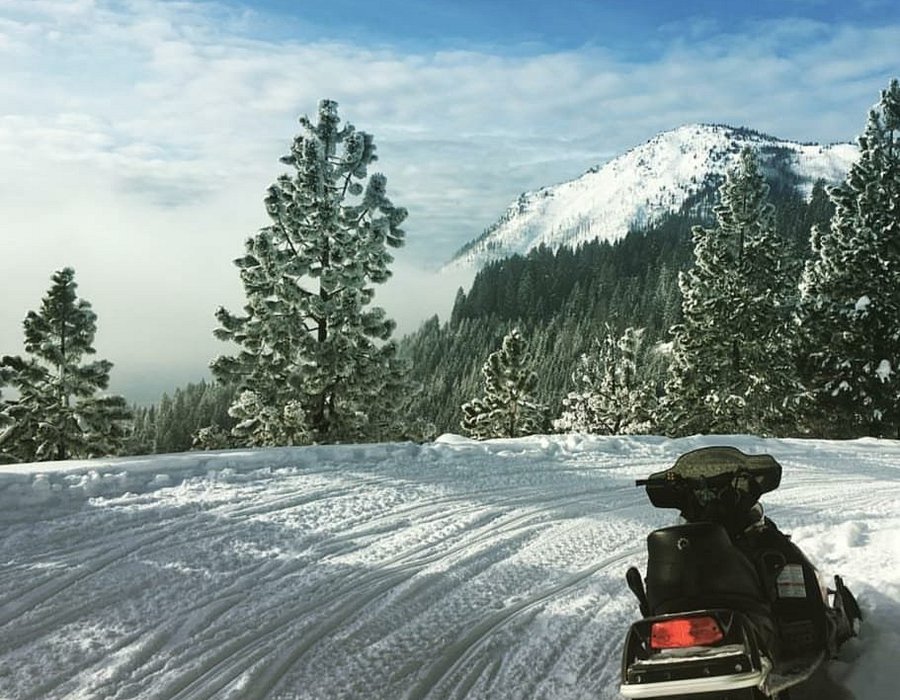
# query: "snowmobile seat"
[[696, 566]]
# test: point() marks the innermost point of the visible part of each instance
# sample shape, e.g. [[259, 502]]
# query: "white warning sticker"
[[791, 583]]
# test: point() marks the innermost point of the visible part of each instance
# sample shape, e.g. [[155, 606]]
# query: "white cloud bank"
[[137, 140]]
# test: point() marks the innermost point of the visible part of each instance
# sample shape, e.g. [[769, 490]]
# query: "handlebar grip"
[[641, 482]]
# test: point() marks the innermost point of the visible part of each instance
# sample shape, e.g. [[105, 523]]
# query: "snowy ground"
[[447, 570]]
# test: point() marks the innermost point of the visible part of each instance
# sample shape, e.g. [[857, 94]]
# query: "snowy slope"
[[448, 570], [642, 185]]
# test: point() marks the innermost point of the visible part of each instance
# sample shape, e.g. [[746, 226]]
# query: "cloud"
[[415, 294], [138, 139]]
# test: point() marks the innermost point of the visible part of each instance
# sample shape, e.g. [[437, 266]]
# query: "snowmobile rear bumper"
[[734, 668], [694, 686]]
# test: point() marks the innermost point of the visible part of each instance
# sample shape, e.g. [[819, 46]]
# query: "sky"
[[137, 138]]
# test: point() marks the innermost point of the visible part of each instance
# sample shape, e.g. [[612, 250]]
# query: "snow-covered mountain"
[[675, 170], [455, 569]]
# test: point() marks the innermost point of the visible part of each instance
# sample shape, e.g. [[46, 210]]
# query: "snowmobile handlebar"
[[710, 473], [725, 498]]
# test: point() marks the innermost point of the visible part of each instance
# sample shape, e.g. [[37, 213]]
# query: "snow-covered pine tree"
[[850, 289], [612, 397], [508, 407], [260, 425], [6, 421], [315, 356], [57, 414], [211, 437], [732, 364]]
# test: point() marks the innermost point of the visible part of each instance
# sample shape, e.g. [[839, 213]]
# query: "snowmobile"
[[732, 609]]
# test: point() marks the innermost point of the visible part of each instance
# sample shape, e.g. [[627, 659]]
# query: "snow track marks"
[[452, 570]]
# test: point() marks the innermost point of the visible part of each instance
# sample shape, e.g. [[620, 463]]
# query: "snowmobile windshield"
[[713, 483]]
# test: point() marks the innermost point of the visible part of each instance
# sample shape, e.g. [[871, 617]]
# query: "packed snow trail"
[[454, 569]]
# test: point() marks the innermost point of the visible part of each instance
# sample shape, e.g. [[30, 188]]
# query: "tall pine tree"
[[57, 414], [850, 290], [508, 407], [315, 355], [732, 358]]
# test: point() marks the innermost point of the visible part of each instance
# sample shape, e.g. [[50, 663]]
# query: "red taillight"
[[685, 632]]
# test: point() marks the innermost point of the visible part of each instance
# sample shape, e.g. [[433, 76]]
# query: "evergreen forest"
[[562, 302]]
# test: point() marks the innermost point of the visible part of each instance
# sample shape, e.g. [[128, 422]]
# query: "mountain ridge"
[[674, 171]]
